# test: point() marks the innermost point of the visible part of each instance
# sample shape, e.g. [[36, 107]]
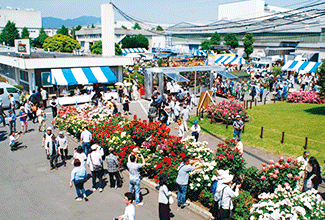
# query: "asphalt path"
[[30, 190]]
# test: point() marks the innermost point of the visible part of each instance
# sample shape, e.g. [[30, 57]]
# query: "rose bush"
[[304, 97], [227, 110]]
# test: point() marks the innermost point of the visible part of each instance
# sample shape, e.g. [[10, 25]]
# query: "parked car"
[[5, 90]]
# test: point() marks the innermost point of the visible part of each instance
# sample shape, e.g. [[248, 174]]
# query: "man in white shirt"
[[41, 119], [12, 102], [181, 130], [63, 146], [44, 97], [85, 138], [185, 114], [196, 130], [95, 164], [135, 178], [129, 213]]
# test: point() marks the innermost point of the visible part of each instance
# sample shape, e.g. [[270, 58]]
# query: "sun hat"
[[163, 177], [61, 132], [49, 129], [136, 150], [195, 122], [94, 146], [227, 178], [237, 116], [222, 174], [22, 107]]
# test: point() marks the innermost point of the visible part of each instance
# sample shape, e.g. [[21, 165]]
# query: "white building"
[[246, 10], [22, 18]]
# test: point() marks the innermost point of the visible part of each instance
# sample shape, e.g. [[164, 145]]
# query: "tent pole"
[[195, 84]]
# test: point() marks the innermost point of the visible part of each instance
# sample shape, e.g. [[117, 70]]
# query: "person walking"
[[152, 112], [95, 164], [238, 127], [113, 170], [78, 178], [196, 130], [85, 139], [129, 213], [63, 146], [182, 179], [80, 155], [41, 116], [224, 195], [28, 110], [34, 110], [51, 148], [12, 102], [135, 178], [23, 120], [181, 131], [313, 177], [163, 198], [2, 114], [44, 97], [125, 104], [12, 121], [185, 114], [54, 106]]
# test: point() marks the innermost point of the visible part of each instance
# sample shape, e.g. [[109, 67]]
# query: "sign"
[[22, 46]]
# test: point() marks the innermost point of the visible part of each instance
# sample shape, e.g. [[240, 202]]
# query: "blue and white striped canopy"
[[307, 66], [200, 53], [231, 60], [134, 50], [82, 76]]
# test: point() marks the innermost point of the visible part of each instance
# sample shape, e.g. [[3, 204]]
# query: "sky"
[[156, 11]]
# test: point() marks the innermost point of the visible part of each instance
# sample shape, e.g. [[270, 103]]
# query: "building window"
[[46, 79], [24, 76]]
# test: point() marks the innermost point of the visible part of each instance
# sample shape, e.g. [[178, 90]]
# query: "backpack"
[[214, 187]]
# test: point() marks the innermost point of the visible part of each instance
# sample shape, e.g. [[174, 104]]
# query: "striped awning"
[[231, 60], [133, 50], [200, 53], [82, 76], [307, 66]]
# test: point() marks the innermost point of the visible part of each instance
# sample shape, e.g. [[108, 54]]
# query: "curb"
[[193, 207]]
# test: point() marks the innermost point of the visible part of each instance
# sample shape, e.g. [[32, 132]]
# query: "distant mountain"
[[50, 22]]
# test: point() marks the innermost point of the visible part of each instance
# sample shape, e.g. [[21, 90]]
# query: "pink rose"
[[263, 177], [275, 176], [264, 169], [281, 158], [289, 175]]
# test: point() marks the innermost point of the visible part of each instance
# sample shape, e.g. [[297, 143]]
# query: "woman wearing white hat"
[[224, 195]]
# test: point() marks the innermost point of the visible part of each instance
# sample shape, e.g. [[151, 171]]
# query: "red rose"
[[264, 164], [289, 159], [263, 177], [296, 177], [275, 176], [264, 169], [287, 165]]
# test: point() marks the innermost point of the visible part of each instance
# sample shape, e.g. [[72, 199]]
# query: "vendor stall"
[[305, 66], [231, 60]]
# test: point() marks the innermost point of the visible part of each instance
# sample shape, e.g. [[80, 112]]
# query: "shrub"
[[250, 177], [20, 87], [227, 110], [242, 205], [304, 97], [3, 79]]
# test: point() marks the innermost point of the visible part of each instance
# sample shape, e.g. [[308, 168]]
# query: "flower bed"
[[304, 97], [227, 110], [164, 153]]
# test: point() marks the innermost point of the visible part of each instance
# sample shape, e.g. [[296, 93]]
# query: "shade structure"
[[200, 53], [306, 66], [177, 77], [231, 60], [227, 75], [133, 50], [82, 76]]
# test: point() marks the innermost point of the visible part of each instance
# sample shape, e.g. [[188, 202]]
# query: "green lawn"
[[296, 120]]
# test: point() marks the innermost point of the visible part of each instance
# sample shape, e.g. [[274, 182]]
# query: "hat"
[[49, 129], [227, 178], [195, 122], [61, 132], [163, 177], [22, 107], [237, 116], [222, 174], [94, 146], [136, 150]]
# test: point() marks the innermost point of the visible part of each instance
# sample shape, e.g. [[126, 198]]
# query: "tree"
[[39, 41], [92, 26], [137, 26], [61, 43], [135, 42], [96, 48], [159, 28], [248, 44], [73, 31], [205, 45], [9, 33], [321, 80], [124, 27], [215, 39], [63, 30], [25, 33], [231, 40]]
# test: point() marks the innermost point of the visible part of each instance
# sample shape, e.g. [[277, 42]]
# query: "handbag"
[[96, 167]]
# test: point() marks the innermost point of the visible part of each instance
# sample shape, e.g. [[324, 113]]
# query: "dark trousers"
[[164, 211], [79, 185], [195, 135], [99, 175], [3, 120], [12, 126], [117, 179], [54, 111], [53, 160], [34, 116], [45, 103], [64, 154], [30, 116]]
